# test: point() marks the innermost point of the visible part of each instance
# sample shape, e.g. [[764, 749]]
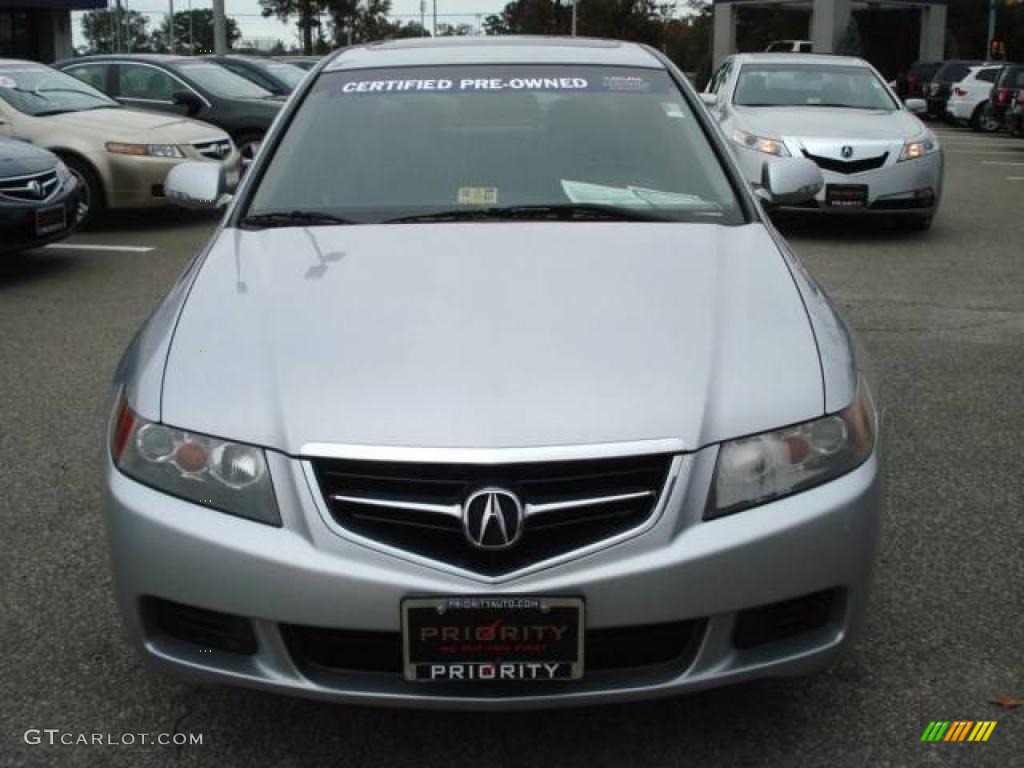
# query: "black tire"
[[921, 223], [92, 202], [247, 144], [983, 120]]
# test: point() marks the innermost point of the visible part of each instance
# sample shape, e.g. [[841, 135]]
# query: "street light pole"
[[220, 31], [991, 27], [170, 25], [574, 4]]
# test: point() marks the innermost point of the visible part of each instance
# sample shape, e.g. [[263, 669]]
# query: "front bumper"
[[680, 570], [18, 221], [138, 182], [912, 187]]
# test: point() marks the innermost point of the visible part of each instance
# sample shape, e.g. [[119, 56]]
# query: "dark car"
[[1008, 84], [912, 85], [38, 197], [278, 77], [183, 85], [302, 62], [941, 85]]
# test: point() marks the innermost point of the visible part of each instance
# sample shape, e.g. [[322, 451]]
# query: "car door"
[[145, 86], [98, 74]]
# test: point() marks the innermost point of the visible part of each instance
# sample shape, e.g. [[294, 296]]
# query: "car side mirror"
[[709, 99], [197, 186], [916, 106], [188, 100], [790, 180]]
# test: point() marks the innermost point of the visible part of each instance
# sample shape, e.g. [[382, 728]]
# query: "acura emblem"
[[36, 188], [847, 152], [492, 518]]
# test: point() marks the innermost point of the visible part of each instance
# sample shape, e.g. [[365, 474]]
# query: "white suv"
[[969, 97]]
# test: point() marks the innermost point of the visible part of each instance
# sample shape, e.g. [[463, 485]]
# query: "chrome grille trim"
[[215, 149], [676, 467], [22, 189]]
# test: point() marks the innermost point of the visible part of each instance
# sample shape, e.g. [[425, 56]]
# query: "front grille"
[[780, 621], [604, 650], [418, 507], [208, 630], [33, 188], [847, 166], [215, 149]]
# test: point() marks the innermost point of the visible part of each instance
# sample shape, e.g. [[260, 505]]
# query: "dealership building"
[[39, 29], [893, 32]]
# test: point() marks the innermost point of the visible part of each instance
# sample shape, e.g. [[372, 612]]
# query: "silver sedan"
[[876, 156], [522, 404]]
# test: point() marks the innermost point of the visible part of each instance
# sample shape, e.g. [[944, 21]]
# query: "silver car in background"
[[522, 404], [876, 156]]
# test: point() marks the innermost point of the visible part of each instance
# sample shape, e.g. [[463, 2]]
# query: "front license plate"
[[846, 195], [492, 639], [50, 220]]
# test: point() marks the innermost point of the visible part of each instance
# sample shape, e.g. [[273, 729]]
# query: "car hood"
[[492, 335], [130, 125], [20, 159], [828, 123]]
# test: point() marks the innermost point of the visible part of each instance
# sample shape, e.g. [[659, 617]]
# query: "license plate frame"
[[479, 646], [846, 195], [58, 223]]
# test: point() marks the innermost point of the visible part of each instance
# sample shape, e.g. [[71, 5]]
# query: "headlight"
[[760, 143], [142, 150], [755, 470], [912, 150], [230, 477]]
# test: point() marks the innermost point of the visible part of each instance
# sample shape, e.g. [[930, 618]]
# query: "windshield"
[[222, 82], [37, 90], [811, 85], [377, 145], [289, 74]]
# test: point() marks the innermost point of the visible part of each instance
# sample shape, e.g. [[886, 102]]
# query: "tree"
[[409, 29], [307, 13], [104, 31], [193, 32]]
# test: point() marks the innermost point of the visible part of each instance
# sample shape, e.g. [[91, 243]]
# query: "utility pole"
[[433, 32], [117, 26], [574, 4], [220, 28], [423, 20], [991, 27], [170, 26]]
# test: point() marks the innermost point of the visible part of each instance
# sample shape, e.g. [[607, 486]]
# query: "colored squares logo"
[[958, 730]]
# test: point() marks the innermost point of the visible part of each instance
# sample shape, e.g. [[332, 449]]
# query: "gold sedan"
[[120, 156]]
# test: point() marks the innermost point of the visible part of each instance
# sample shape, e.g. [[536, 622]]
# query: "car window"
[[721, 77], [222, 82], [38, 90], [287, 73], [987, 75], [431, 139], [92, 74], [805, 47], [811, 85], [252, 75], [136, 81], [953, 72]]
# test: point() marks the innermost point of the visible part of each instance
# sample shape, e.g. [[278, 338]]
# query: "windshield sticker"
[[629, 196], [627, 83], [478, 195], [468, 84], [672, 109]]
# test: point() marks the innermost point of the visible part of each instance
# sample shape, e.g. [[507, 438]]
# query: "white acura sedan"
[[875, 155]]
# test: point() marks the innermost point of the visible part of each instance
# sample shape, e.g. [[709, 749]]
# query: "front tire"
[[91, 203], [983, 119], [247, 145]]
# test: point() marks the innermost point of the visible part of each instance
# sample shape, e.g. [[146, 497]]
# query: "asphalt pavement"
[[941, 313]]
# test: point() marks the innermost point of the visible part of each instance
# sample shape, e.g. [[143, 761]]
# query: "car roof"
[[421, 51], [799, 58], [158, 58], [21, 63]]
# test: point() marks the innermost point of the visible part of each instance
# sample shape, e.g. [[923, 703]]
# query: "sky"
[[253, 25]]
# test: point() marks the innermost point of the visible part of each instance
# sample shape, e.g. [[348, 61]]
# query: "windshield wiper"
[[292, 219], [555, 212]]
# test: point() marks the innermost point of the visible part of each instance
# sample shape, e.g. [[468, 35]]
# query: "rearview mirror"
[[709, 99], [188, 100], [790, 180], [917, 106], [197, 186]]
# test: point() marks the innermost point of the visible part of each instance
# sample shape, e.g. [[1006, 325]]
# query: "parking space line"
[[90, 247], [1018, 152], [999, 162], [1015, 178]]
